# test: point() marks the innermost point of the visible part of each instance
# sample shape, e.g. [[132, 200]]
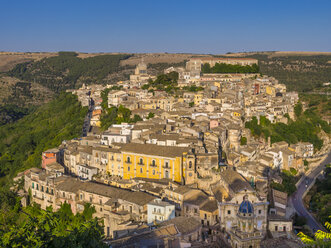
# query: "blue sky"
[[186, 26]]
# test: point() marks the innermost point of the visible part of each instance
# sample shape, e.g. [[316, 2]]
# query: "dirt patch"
[[8, 60]]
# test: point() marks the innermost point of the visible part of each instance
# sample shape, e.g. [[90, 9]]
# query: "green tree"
[[298, 109], [45, 228], [136, 118], [22, 142], [206, 68], [150, 115], [243, 141], [321, 239]]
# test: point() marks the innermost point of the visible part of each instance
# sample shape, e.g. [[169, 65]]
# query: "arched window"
[[128, 160], [153, 162], [141, 161]]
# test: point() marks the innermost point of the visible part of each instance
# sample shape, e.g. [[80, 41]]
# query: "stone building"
[[243, 213]]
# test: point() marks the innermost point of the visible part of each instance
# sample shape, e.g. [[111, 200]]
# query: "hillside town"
[[187, 172]]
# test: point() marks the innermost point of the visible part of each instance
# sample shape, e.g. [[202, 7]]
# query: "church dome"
[[246, 207]]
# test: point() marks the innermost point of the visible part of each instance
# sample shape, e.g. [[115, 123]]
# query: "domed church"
[[243, 213]]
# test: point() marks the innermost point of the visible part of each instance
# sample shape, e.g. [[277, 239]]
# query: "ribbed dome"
[[246, 207]]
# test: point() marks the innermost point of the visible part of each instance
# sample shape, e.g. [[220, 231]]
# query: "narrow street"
[[296, 198], [86, 124]]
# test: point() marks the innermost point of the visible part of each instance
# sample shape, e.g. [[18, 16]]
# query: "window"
[[47, 190], [90, 198], [260, 211], [195, 210], [100, 201], [153, 172], [37, 186], [229, 211], [153, 162], [141, 161], [42, 188], [167, 164], [100, 209], [128, 168], [52, 191], [128, 160], [33, 185], [81, 196], [64, 194], [205, 216], [141, 170], [190, 165]]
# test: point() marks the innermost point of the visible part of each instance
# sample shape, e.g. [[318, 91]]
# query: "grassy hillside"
[[22, 142], [67, 70], [10, 113], [299, 73], [305, 128]]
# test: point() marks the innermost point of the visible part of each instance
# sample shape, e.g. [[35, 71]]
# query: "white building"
[[109, 138], [120, 133], [277, 157], [159, 211], [86, 172]]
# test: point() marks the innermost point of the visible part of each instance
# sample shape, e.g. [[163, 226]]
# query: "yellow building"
[[270, 90], [236, 113], [114, 165], [214, 100], [156, 162], [209, 213], [198, 98]]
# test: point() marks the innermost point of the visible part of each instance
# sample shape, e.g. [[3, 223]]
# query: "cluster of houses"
[[183, 177]]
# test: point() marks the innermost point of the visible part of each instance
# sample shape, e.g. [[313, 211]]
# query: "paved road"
[[86, 125], [296, 198]]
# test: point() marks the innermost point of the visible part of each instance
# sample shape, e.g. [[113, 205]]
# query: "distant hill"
[[67, 70], [43, 75], [300, 71]]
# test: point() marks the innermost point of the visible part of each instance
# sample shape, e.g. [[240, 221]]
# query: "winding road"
[[296, 198]]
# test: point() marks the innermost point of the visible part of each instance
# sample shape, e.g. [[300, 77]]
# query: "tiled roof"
[[149, 149], [183, 224], [235, 181]]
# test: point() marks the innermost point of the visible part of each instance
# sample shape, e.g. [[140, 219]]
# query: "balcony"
[[141, 164], [166, 167], [157, 213], [153, 165]]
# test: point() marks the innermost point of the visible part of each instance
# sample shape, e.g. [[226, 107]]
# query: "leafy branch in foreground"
[[45, 228], [322, 239]]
